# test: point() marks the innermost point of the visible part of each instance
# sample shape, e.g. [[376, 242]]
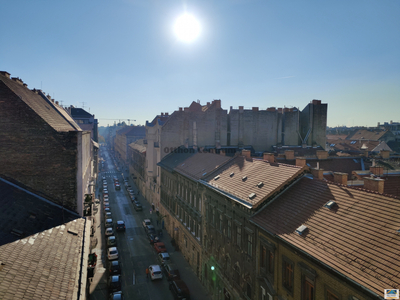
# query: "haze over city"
[[128, 60]]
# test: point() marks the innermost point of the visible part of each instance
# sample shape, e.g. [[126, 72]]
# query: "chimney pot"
[[246, 153], [301, 161], [374, 184], [6, 74], [268, 157], [339, 177], [289, 154]]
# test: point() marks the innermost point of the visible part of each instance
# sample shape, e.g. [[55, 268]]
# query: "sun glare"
[[187, 28]]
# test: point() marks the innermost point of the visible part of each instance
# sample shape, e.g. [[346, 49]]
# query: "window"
[[213, 216], [307, 288], [263, 294], [249, 244], [238, 235], [331, 295], [229, 231], [287, 280], [199, 204], [220, 222], [248, 290]]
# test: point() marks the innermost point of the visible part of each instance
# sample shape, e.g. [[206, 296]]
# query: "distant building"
[[42, 146], [124, 137]]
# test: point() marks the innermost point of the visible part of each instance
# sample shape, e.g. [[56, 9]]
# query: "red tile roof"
[[273, 176], [365, 134], [358, 238]]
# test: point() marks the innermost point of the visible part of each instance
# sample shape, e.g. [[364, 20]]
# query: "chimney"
[[376, 170], [162, 114], [241, 109], [316, 102], [339, 177], [374, 184], [268, 157], [271, 109], [246, 153], [57, 102], [180, 109], [289, 154], [318, 173], [186, 109], [217, 103], [280, 110], [301, 161], [222, 152], [16, 79], [208, 104], [6, 74], [385, 154], [25, 85], [254, 108], [166, 114], [322, 154]]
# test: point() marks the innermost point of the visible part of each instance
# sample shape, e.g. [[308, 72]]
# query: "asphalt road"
[[135, 251]]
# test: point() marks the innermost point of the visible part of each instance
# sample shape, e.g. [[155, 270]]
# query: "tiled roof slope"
[[47, 110], [27, 213], [44, 265], [357, 145], [365, 134], [358, 238], [274, 177], [200, 164], [77, 112], [138, 145], [172, 160]]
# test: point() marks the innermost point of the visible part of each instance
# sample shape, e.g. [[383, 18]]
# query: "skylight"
[[301, 230], [252, 195], [330, 204], [244, 178], [217, 177], [232, 174], [260, 184]]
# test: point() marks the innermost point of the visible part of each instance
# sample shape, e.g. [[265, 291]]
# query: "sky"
[[121, 59]]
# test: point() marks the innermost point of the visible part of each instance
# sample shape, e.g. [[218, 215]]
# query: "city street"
[[135, 251]]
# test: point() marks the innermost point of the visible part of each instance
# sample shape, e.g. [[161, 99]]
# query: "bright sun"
[[187, 28]]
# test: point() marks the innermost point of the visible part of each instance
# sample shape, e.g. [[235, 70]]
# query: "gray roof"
[[50, 112], [45, 261]]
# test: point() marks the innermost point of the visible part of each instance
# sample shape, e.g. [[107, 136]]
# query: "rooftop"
[[358, 237]]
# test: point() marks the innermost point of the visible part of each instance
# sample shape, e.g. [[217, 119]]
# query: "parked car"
[[114, 268], [160, 247], [109, 223], [111, 241], [150, 230], [153, 239], [163, 257], [107, 215], [117, 187], [112, 253], [146, 222], [116, 296], [114, 283], [137, 206], [106, 204], [120, 226], [171, 271], [105, 198], [107, 210], [155, 272], [109, 231], [179, 290]]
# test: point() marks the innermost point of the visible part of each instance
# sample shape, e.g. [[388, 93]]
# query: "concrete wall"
[[314, 118], [85, 168], [36, 155]]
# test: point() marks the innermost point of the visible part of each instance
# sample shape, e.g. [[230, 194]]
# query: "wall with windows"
[[287, 274], [229, 246]]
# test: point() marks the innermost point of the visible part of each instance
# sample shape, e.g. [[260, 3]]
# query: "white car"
[[112, 253], [109, 231], [155, 272], [146, 222]]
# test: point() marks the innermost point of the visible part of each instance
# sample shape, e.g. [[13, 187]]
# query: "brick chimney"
[[217, 103], [322, 154], [246, 153], [385, 154], [4, 73], [316, 102], [339, 177], [180, 109], [271, 109], [222, 152], [16, 79], [289, 154], [241, 108], [374, 184], [301, 161], [166, 114], [317, 173], [376, 170], [162, 114], [254, 108], [268, 157]]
